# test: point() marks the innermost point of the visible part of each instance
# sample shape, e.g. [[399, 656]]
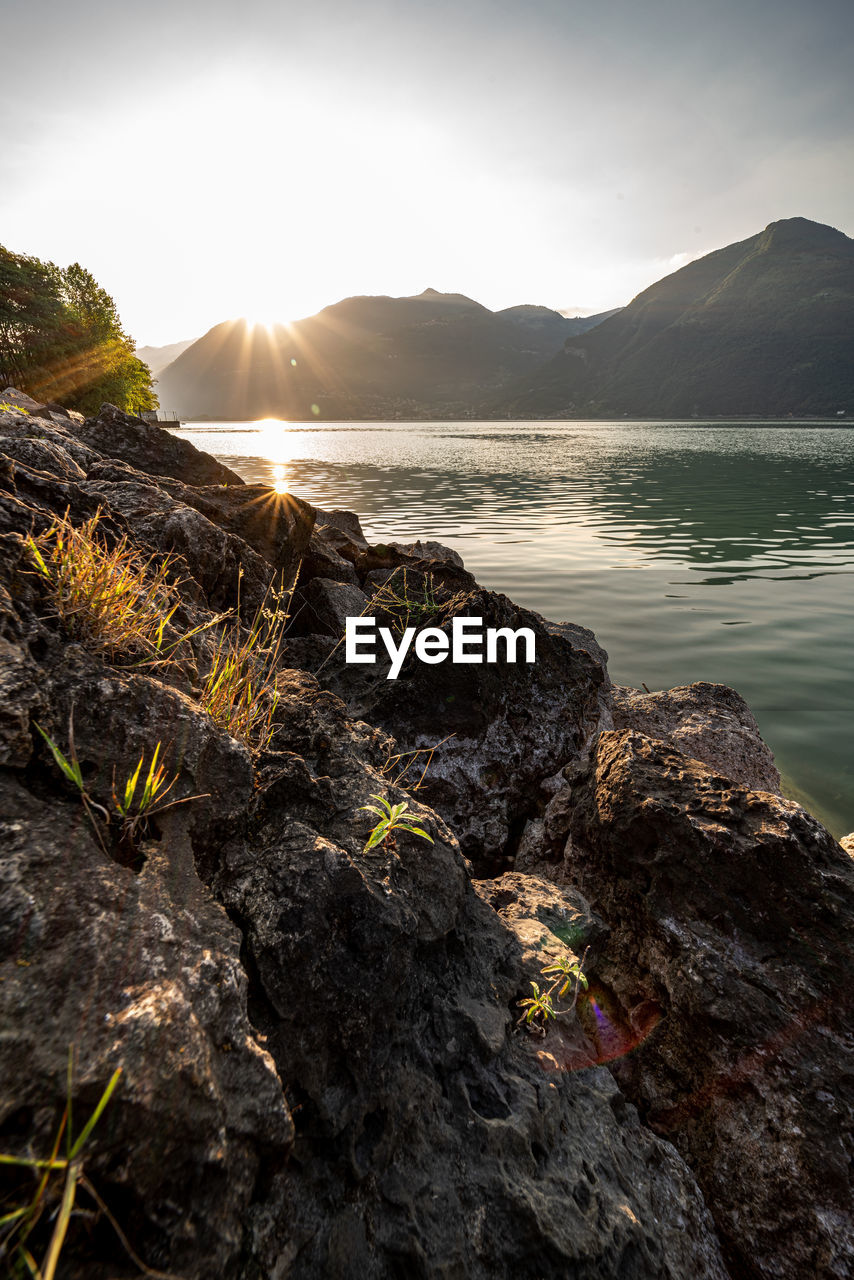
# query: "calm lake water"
[[695, 551]]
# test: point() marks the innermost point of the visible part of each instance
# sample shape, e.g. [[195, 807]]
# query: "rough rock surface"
[[150, 448], [141, 972], [506, 727], [730, 914], [323, 1068], [710, 722], [429, 551]]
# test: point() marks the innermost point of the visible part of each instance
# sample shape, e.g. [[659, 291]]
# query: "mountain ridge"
[[364, 357], [760, 327]]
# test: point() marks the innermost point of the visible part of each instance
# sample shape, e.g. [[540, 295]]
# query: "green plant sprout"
[[132, 811], [539, 1009], [390, 821], [17, 1225], [70, 768]]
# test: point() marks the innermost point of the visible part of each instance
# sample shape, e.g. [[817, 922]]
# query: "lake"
[[695, 551]]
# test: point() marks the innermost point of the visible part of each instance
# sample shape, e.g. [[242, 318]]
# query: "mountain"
[[763, 327], [433, 355], [157, 358]]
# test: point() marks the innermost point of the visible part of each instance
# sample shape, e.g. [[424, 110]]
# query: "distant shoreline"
[[745, 420]]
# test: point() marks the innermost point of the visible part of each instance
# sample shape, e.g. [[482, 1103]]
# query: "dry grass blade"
[[399, 772], [240, 690], [109, 595]]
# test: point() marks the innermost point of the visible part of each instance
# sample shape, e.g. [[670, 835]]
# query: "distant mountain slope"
[[764, 327], [436, 354], [157, 358]]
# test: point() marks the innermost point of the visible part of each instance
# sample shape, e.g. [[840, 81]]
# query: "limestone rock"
[[342, 530], [141, 972], [150, 448], [19, 400], [325, 606], [428, 551], [709, 722], [513, 725], [730, 912]]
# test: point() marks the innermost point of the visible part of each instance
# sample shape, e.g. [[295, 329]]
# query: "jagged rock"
[[729, 911], [20, 400], [141, 972], [430, 1141], [342, 531], [321, 560], [51, 430], [42, 455], [244, 958], [419, 550], [150, 448], [513, 725], [20, 695], [324, 607], [582, 638], [709, 722]]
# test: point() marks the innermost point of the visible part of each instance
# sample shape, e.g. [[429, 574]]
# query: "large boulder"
[[504, 728], [710, 722], [150, 448], [730, 945], [141, 972], [432, 1137]]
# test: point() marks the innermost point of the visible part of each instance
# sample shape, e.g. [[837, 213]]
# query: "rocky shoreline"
[[323, 1072]]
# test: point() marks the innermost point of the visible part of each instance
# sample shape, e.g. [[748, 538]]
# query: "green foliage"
[[131, 809], [409, 606], [57, 1179], [567, 976], [390, 821], [71, 770], [61, 339], [537, 1007]]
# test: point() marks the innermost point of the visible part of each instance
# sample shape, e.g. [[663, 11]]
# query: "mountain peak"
[[801, 233]]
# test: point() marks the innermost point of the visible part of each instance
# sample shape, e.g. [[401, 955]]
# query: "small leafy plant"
[[390, 821], [567, 975], [70, 767], [132, 809]]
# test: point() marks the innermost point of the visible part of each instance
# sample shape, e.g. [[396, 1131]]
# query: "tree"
[[61, 339]]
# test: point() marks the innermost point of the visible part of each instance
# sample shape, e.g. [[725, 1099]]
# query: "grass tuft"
[[240, 691], [107, 595]]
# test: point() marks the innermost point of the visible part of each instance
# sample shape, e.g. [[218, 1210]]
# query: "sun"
[[264, 320]]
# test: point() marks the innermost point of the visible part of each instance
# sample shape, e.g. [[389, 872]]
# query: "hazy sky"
[[267, 157]]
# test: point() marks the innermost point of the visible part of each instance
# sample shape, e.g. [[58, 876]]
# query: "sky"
[[267, 158]]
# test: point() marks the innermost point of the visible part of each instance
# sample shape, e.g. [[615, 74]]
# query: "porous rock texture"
[[323, 1067], [707, 721], [729, 913]]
